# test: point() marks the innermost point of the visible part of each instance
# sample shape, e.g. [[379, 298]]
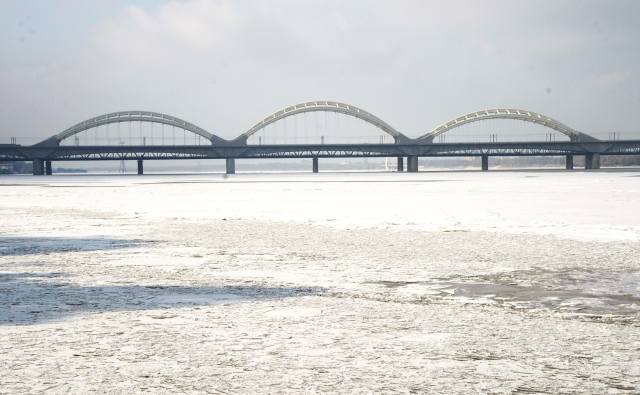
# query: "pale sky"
[[223, 65]]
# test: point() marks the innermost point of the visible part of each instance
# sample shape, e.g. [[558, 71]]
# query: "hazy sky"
[[223, 65]]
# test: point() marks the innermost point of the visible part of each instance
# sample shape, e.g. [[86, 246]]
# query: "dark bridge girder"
[[42, 156], [58, 153]]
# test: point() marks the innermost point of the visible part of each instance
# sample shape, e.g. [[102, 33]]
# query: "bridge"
[[66, 145]]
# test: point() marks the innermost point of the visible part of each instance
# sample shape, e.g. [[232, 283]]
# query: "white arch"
[[506, 113], [134, 116], [330, 106]]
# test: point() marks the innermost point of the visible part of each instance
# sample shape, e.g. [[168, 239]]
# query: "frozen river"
[[444, 282]]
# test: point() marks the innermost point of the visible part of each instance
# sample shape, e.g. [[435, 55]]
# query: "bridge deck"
[[148, 152]]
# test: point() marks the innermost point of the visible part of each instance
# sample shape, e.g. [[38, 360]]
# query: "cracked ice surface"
[[444, 282]]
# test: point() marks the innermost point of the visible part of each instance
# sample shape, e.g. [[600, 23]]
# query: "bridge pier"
[[591, 161], [38, 167], [140, 167], [485, 162], [412, 164], [231, 165], [315, 165], [569, 162], [48, 168], [400, 167]]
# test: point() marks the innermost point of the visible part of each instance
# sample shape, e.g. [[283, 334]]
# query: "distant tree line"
[[619, 160], [16, 168], [543, 161], [27, 168]]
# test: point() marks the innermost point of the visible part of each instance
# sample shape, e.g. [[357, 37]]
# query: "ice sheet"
[[442, 282]]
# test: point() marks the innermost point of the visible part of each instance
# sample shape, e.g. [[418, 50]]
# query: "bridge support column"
[[569, 162], [38, 167], [315, 165], [412, 164], [591, 161], [140, 167], [485, 162], [48, 168], [400, 167], [595, 162], [231, 166]]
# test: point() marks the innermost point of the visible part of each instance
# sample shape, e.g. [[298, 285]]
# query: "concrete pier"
[[412, 164], [48, 168], [400, 167], [315, 165], [485, 162], [140, 167], [38, 167], [569, 162], [231, 166], [591, 161], [596, 161]]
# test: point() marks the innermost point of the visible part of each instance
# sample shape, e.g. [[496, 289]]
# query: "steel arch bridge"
[[43, 153]]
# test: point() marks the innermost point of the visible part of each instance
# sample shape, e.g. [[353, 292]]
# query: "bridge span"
[[56, 147], [42, 156]]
